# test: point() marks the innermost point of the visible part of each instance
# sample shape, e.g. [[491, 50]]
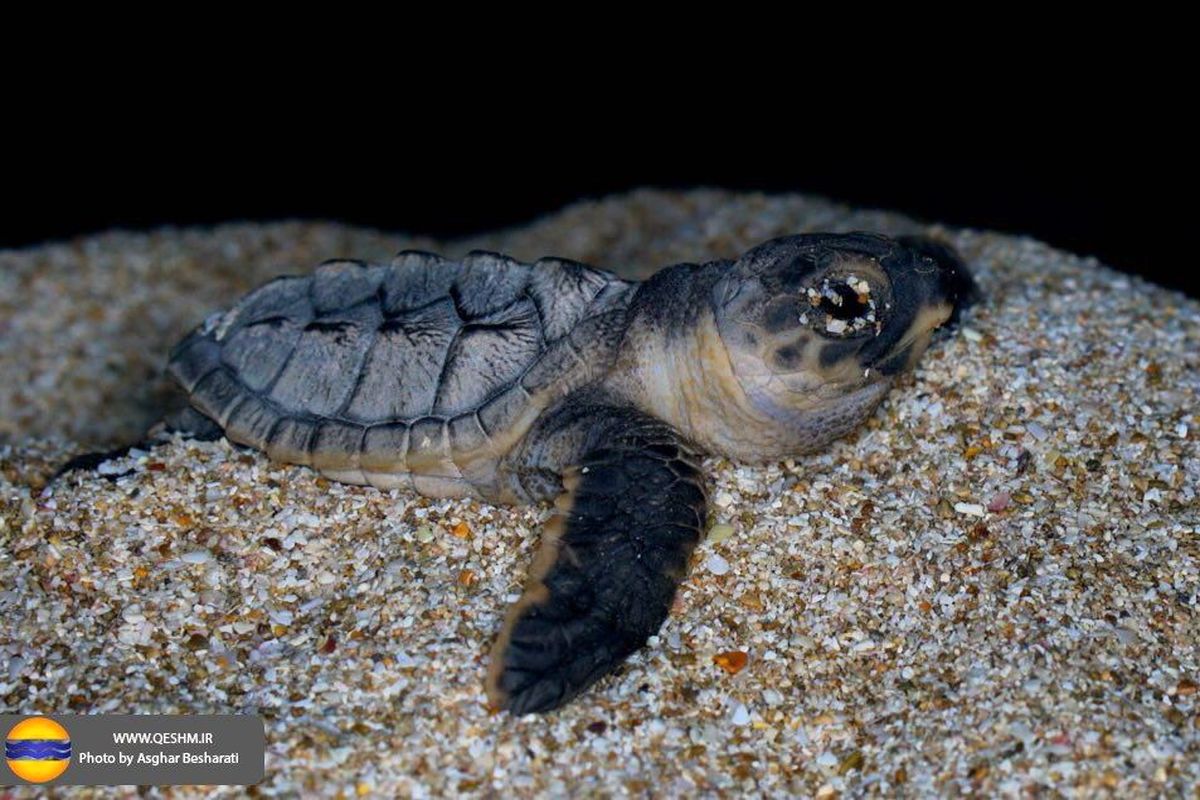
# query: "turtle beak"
[[954, 279], [930, 287], [911, 343]]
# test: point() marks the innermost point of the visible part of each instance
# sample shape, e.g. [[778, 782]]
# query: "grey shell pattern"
[[421, 373]]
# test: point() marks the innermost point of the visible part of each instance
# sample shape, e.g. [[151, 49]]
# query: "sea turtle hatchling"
[[517, 383]]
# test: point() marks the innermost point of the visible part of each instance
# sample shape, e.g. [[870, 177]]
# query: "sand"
[[990, 588]]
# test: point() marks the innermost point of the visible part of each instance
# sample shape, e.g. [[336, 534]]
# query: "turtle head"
[[817, 326]]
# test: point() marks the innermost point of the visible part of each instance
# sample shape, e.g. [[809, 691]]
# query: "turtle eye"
[[843, 306], [843, 303]]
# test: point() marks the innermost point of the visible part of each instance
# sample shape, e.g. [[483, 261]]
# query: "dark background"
[[1117, 205]]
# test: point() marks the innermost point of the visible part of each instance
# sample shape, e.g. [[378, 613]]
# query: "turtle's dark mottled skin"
[[518, 383]]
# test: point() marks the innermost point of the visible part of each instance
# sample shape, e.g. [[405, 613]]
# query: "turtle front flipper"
[[609, 564]]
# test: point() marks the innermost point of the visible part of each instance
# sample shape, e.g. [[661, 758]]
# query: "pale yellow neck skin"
[[689, 382]]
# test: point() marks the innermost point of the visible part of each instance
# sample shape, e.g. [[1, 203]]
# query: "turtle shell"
[[421, 373]]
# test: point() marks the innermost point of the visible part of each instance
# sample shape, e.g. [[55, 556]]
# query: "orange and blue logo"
[[38, 749]]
